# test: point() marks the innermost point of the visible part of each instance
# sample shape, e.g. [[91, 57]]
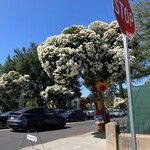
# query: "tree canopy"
[[94, 52], [13, 86], [142, 18], [25, 61]]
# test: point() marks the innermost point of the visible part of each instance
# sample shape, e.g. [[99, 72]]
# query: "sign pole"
[[128, 79]]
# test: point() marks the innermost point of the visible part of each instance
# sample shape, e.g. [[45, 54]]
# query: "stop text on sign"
[[124, 17], [121, 10]]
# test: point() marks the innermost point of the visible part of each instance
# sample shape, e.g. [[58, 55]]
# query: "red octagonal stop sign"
[[124, 17]]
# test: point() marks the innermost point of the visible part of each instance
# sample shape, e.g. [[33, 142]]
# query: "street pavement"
[[76, 136], [88, 141], [14, 140]]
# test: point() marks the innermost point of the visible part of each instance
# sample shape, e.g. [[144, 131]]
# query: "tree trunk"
[[40, 102], [101, 110]]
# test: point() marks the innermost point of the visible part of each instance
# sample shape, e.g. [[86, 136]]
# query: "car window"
[[59, 111], [49, 112], [36, 111], [116, 110], [75, 112], [4, 114]]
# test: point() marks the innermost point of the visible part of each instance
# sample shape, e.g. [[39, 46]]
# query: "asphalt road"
[[16, 140]]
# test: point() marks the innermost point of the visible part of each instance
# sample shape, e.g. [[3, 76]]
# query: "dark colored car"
[[90, 113], [74, 115], [34, 118], [59, 111], [116, 113], [3, 119]]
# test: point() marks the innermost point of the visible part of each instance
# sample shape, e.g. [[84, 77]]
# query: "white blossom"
[[118, 101], [14, 84], [97, 48]]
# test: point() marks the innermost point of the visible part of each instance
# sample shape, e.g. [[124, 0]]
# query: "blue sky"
[[26, 21]]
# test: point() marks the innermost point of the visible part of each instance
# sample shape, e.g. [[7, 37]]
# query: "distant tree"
[[13, 86], [9, 65], [141, 45], [147, 82], [142, 17], [4, 105], [1, 70], [120, 103], [94, 53], [25, 61]]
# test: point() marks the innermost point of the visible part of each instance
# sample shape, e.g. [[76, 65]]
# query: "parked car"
[[74, 115], [117, 113], [34, 118], [90, 113], [3, 119], [59, 111]]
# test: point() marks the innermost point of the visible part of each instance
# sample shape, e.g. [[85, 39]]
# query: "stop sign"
[[124, 17]]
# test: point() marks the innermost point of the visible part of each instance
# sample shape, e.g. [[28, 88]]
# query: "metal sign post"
[[125, 19], [128, 79]]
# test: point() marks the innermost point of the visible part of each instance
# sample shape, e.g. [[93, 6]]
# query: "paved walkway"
[[88, 141]]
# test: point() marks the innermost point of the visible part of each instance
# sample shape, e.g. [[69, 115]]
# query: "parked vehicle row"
[[116, 113], [35, 118], [73, 115], [90, 113]]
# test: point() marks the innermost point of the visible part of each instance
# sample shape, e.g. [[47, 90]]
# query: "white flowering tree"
[[94, 53], [120, 102], [13, 86]]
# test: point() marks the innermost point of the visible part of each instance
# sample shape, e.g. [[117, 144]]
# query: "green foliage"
[[4, 106], [31, 103], [148, 82], [13, 86], [72, 30], [25, 61], [142, 17]]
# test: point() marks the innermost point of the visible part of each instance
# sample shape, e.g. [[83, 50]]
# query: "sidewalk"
[[88, 141]]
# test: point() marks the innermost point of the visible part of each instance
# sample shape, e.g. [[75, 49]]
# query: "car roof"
[[26, 109], [23, 110], [5, 113]]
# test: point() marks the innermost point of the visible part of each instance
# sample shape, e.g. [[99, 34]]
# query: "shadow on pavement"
[[40, 130], [100, 135]]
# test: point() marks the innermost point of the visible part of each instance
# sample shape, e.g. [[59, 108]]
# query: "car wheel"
[[15, 129], [61, 124], [1, 125], [33, 125]]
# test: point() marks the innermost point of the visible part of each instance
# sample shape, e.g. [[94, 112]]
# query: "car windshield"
[[22, 110], [59, 111], [68, 112], [5, 114], [116, 110]]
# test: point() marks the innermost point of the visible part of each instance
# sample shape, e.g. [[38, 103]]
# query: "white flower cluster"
[[12, 83], [97, 48], [118, 101], [54, 90]]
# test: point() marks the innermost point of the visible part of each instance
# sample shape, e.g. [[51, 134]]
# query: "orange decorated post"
[[101, 116]]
